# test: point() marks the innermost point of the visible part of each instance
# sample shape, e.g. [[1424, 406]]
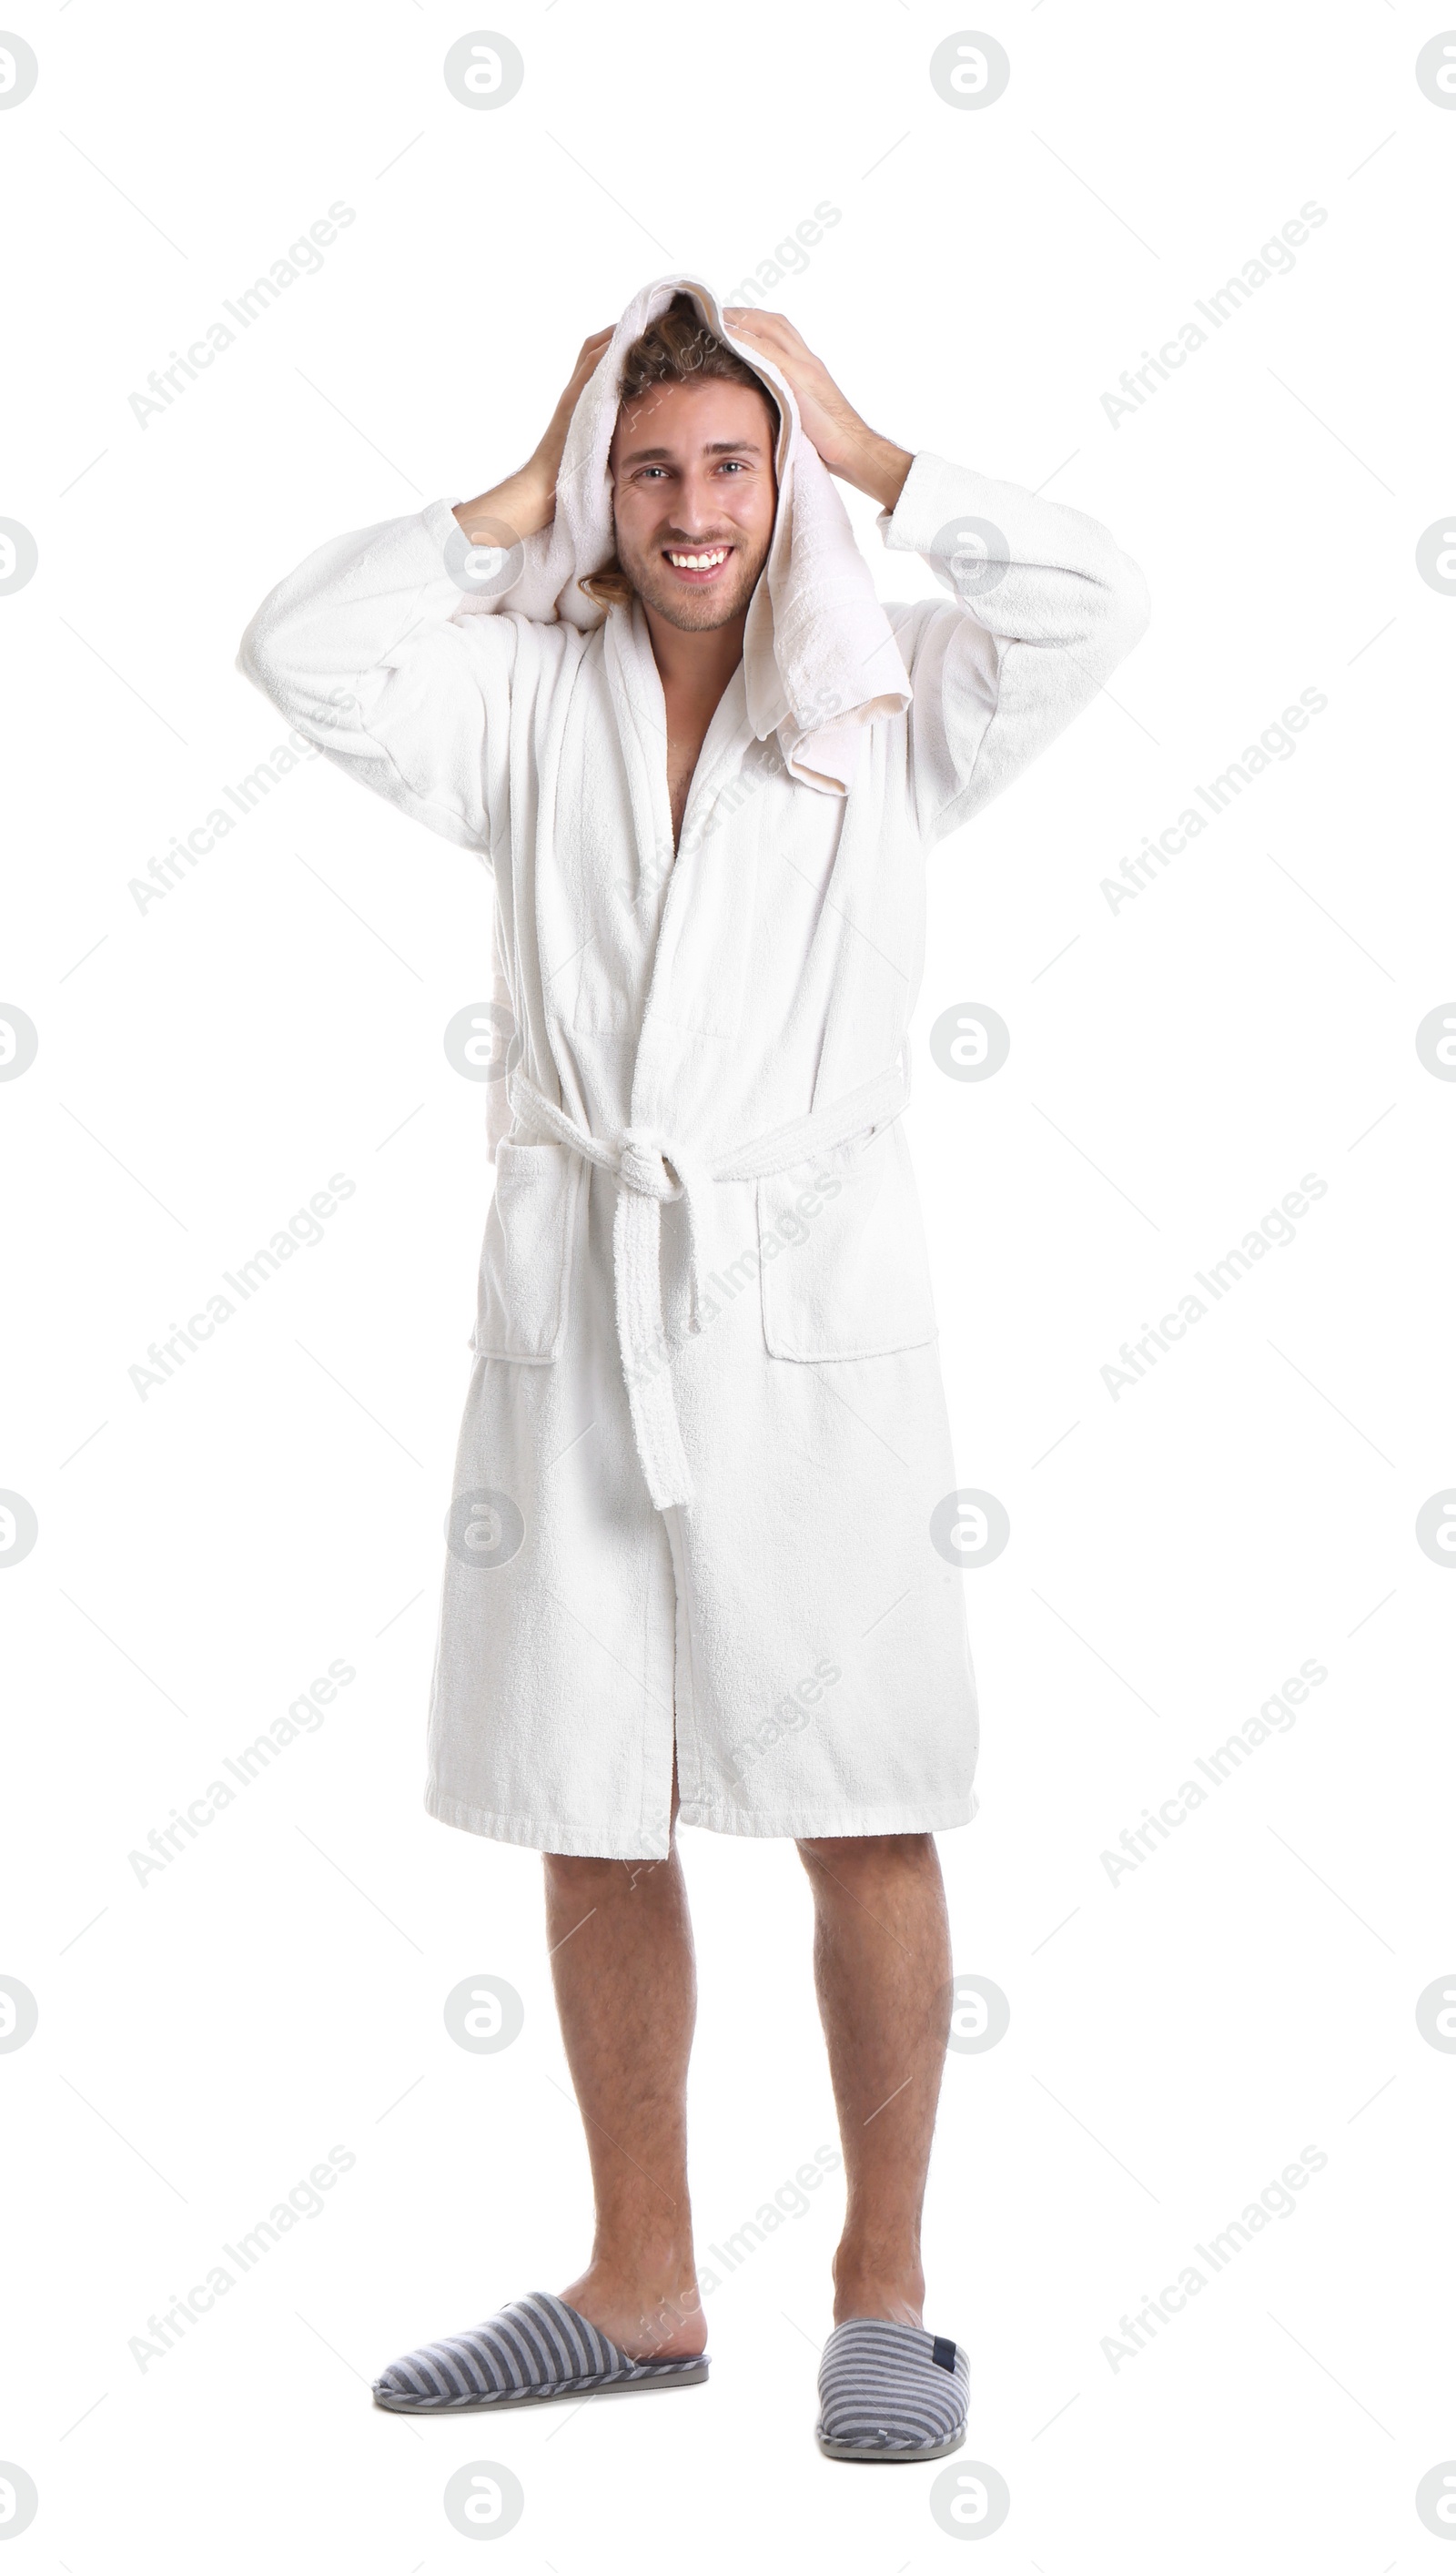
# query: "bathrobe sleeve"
[[1045, 606], [365, 652]]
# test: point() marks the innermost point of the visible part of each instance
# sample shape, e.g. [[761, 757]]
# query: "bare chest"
[[684, 742]]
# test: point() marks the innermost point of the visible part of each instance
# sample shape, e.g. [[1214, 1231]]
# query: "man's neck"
[[695, 668]]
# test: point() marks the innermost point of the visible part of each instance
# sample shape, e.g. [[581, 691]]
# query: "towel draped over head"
[[820, 660]]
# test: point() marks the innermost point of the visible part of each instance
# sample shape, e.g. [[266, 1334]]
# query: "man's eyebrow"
[[719, 447]]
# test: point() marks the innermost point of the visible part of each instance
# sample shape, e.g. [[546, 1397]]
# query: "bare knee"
[[849, 1860], [598, 1880], [584, 1884]]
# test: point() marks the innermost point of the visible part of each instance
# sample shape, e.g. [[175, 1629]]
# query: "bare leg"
[[882, 1969], [623, 1965]]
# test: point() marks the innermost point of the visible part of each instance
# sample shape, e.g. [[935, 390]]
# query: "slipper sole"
[[654, 2384], [846, 2449]]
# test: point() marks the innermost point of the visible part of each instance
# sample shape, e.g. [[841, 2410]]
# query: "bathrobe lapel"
[[641, 721], [696, 908]]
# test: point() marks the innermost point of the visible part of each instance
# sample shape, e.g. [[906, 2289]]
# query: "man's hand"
[[526, 501], [845, 443]]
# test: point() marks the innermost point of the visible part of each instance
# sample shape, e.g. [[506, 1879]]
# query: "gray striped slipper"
[[530, 2352], [890, 2393]]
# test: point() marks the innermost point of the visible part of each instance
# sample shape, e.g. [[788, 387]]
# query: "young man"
[[692, 1565]]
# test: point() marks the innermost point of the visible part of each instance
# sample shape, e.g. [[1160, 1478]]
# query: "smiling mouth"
[[697, 565]]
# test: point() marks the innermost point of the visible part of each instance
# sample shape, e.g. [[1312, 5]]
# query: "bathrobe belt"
[[652, 1172]]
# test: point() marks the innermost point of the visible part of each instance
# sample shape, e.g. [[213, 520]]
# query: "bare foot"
[[655, 2319]]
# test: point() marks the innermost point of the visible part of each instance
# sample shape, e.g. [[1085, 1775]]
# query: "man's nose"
[[698, 508]]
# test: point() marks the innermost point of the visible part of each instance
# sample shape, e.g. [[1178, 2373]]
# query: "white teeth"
[[699, 562]]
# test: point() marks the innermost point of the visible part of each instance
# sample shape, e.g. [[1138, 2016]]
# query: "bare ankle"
[[879, 2282], [651, 2313], [662, 2263]]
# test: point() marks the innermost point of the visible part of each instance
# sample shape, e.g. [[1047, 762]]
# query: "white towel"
[[820, 661]]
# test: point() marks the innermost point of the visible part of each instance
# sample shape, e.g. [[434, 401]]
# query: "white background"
[[206, 1065]]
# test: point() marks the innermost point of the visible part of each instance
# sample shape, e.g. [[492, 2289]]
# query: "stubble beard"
[[693, 612]]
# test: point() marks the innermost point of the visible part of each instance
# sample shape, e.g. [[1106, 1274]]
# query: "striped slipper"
[[890, 2393], [529, 2352]]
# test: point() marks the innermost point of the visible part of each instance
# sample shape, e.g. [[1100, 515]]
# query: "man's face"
[[693, 475]]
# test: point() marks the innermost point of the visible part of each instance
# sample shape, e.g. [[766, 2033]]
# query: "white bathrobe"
[[705, 1433]]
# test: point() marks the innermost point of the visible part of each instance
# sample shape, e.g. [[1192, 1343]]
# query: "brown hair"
[[677, 348]]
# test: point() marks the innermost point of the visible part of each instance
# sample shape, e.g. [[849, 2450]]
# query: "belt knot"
[[643, 1166]]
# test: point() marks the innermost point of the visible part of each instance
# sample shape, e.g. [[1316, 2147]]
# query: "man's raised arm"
[[1045, 603], [365, 650]]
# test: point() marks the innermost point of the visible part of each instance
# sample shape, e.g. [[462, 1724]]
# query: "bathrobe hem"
[[837, 1824], [582, 1840]]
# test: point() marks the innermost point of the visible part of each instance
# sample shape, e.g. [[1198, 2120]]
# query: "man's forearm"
[[875, 466], [524, 503]]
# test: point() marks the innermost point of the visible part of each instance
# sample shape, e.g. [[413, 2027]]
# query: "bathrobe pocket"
[[526, 1261], [843, 1271]]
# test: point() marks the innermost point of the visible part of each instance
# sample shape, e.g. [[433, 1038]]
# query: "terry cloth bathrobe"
[[705, 1431]]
